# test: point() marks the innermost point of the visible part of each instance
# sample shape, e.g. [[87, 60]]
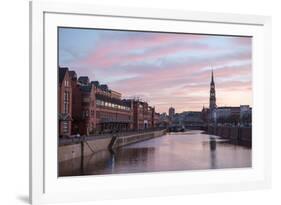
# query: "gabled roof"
[[62, 72], [84, 79], [96, 83], [72, 74]]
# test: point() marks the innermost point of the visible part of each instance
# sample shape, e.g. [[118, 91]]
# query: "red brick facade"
[[65, 102], [90, 108]]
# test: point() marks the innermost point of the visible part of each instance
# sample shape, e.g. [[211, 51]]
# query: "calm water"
[[190, 150]]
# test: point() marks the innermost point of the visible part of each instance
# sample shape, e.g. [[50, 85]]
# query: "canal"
[[190, 150]]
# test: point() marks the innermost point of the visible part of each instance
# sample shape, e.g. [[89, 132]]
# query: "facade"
[[227, 114], [143, 115], [112, 113], [88, 107], [241, 114], [65, 102], [88, 111]]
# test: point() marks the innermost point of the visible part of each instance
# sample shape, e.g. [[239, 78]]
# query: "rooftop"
[[62, 72]]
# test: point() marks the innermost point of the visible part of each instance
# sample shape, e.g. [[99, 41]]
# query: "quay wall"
[[125, 140], [241, 135], [67, 152], [88, 147]]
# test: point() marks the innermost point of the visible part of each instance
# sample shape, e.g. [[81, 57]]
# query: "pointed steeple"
[[212, 104], [212, 81]]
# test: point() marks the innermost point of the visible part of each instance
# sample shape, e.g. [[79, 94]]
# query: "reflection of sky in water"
[[172, 152]]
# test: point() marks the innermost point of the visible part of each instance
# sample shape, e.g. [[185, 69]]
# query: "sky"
[[164, 69]]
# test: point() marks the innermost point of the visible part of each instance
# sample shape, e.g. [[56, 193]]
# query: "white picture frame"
[[46, 187]]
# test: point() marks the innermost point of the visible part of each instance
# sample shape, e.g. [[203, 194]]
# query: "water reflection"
[[191, 150], [213, 158]]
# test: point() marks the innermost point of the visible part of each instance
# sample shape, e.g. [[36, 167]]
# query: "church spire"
[[212, 104], [212, 81]]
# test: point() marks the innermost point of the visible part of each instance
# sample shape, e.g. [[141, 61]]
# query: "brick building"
[[88, 107], [143, 115], [65, 102]]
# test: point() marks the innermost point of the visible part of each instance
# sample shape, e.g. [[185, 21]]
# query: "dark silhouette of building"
[[172, 112]]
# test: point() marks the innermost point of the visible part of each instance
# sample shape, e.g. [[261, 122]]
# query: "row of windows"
[[112, 105], [85, 113], [105, 115]]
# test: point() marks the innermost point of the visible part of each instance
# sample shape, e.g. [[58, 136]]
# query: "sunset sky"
[[161, 68]]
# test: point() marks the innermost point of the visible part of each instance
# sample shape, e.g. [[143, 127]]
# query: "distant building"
[[172, 112], [188, 118], [238, 115], [164, 120], [205, 114]]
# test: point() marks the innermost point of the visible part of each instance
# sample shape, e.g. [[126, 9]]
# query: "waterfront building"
[[112, 114], [77, 120], [238, 115], [88, 107], [225, 114], [143, 115], [65, 102]]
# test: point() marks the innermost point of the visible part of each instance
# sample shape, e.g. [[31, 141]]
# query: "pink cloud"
[[108, 53]]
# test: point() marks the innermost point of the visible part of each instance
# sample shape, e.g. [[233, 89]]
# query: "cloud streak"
[[164, 69]]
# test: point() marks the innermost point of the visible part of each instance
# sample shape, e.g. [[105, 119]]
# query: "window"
[[98, 102], [65, 108], [65, 96], [65, 127], [66, 83]]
